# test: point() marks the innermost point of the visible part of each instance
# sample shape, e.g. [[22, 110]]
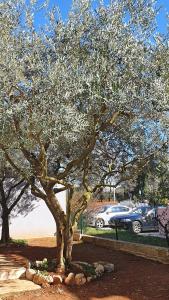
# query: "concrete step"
[[11, 268], [12, 273], [17, 286]]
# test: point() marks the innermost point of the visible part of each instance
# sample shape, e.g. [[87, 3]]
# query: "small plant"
[[44, 273], [44, 265], [88, 269]]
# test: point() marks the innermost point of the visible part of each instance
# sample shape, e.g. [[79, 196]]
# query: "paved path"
[[11, 269], [15, 286]]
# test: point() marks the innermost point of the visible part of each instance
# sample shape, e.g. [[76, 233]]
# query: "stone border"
[[159, 254]]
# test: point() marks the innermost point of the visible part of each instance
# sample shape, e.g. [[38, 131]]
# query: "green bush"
[[19, 242]]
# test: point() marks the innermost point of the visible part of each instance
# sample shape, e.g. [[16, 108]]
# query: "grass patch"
[[127, 236]]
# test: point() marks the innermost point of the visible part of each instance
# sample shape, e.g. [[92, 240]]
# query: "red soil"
[[135, 278]]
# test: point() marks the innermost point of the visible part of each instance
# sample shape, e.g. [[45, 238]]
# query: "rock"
[[29, 274], [40, 279], [89, 279], [82, 263], [48, 278], [96, 264], [80, 279], [70, 279], [99, 269], [45, 285], [37, 279], [57, 279], [82, 267], [108, 267]]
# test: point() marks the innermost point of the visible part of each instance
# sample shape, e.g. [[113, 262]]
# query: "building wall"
[[38, 223]]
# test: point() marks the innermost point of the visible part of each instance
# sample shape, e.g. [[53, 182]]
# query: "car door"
[[150, 220], [117, 210]]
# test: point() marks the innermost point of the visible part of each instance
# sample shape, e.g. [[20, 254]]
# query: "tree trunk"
[[68, 245], [59, 217], [5, 237], [64, 248], [60, 250], [68, 235], [64, 226]]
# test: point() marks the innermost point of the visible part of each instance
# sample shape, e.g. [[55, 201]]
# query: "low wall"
[[159, 254]]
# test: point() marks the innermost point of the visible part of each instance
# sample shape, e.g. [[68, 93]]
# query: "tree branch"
[[12, 187], [19, 197]]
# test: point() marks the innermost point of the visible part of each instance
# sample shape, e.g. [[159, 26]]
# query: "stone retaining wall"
[[151, 252]]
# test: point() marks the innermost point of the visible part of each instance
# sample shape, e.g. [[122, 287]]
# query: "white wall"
[[38, 223]]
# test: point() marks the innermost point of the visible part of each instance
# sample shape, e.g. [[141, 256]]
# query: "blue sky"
[[65, 6]]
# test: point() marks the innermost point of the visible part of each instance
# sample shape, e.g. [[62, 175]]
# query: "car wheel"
[[136, 227], [99, 223]]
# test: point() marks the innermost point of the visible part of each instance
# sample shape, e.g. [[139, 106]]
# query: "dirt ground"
[[135, 278]]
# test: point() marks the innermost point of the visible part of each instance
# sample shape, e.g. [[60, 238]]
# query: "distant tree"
[[15, 199], [152, 182]]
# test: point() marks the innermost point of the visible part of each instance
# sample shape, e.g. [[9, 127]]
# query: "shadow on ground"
[[135, 278]]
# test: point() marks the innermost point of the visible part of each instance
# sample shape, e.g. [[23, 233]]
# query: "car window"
[[137, 211], [123, 209], [141, 210], [114, 209], [119, 209], [110, 209]]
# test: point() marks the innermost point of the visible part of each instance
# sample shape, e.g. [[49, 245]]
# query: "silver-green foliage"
[[61, 86]]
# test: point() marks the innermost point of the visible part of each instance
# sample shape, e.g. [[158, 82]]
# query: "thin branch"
[[9, 159]]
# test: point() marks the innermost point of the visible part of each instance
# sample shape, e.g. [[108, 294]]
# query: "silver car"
[[100, 217]]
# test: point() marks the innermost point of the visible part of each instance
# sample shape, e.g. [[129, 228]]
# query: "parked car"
[[100, 217], [139, 219]]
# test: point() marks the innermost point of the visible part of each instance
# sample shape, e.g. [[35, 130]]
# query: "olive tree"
[[72, 87]]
